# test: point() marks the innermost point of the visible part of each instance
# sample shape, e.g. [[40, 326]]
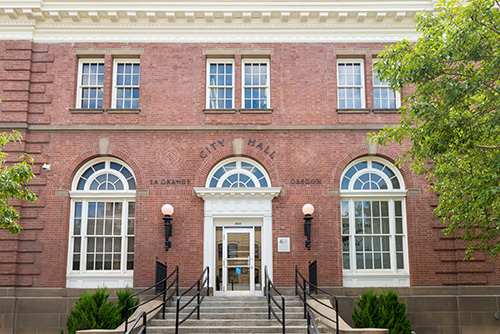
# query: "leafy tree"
[[451, 116], [382, 310], [13, 182]]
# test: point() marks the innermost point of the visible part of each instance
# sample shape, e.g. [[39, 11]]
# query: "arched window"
[[373, 217], [101, 245], [238, 173]]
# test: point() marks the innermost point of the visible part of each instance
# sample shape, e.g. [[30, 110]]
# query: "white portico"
[[237, 239]]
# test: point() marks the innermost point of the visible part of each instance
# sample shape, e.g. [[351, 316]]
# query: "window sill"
[[86, 111], [353, 111], [374, 279], [256, 111], [110, 279], [220, 111], [386, 111], [235, 111], [123, 111], [102, 111]]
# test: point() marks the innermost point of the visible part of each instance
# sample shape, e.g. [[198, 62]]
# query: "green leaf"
[[13, 182], [451, 116]]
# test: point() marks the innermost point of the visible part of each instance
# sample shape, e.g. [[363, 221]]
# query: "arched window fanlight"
[[106, 176], [238, 173], [370, 175]]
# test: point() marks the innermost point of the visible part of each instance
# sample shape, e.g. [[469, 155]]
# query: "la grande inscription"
[[169, 182]]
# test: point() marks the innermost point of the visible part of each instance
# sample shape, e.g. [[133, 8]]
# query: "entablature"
[[60, 20]]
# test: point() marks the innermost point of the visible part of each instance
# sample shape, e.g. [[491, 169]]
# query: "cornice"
[[263, 193], [204, 128], [65, 20]]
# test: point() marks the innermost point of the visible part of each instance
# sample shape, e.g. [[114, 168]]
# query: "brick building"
[[236, 114]]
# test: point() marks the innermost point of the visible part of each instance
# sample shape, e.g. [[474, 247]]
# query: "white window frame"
[[392, 277], [361, 86], [117, 61], [84, 278], [211, 61], [383, 84], [266, 86], [79, 85]]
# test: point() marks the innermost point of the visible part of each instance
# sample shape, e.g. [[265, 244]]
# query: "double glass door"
[[238, 261]]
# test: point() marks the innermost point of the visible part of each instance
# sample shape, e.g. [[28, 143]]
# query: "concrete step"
[[242, 309], [261, 314], [226, 330], [235, 315], [227, 322]]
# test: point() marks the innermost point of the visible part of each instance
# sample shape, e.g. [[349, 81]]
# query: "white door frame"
[[237, 206]]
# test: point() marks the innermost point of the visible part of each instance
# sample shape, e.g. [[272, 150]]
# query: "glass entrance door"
[[238, 261]]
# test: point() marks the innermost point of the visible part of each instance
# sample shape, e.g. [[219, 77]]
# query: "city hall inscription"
[[212, 147]]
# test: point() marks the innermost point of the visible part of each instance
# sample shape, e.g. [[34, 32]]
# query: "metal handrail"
[[311, 321], [269, 297], [130, 310], [200, 284], [307, 307], [141, 330]]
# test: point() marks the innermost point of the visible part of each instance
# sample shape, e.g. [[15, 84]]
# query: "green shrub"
[[382, 311], [122, 302], [93, 311]]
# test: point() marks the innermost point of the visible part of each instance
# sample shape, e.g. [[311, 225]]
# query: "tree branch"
[[486, 147], [485, 25]]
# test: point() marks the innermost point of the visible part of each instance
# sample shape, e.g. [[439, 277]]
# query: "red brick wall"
[[38, 87]]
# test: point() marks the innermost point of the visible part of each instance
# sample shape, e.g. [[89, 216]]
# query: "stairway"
[[236, 315]]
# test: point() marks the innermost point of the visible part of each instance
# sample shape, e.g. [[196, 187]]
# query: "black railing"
[[174, 286], [200, 284], [269, 297], [142, 329], [301, 285], [312, 326]]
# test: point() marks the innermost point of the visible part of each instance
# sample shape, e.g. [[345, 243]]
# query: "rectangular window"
[[372, 235], [90, 83], [220, 84], [255, 84], [126, 83], [350, 82], [383, 96], [103, 236]]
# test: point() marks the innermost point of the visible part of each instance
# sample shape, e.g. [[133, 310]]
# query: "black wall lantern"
[[167, 210], [308, 210]]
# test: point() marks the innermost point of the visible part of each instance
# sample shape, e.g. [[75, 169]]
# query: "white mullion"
[[83, 246], [352, 238], [392, 234], [406, 255], [123, 236], [71, 241]]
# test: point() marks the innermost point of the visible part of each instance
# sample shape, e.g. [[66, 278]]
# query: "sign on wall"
[[283, 245]]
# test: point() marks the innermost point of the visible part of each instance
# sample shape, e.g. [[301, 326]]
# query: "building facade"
[[236, 114]]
